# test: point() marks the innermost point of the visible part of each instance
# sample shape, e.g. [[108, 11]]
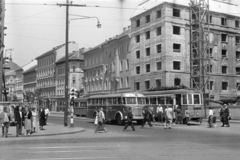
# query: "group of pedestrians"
[[25, 117], [224, 116]]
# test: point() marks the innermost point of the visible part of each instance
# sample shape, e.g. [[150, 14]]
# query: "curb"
[[55, 134]]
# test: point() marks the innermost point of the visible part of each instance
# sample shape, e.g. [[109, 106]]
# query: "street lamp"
[[66, 59]]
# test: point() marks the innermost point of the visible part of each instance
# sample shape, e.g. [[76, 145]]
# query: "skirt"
[[27, 124], [34, 122]]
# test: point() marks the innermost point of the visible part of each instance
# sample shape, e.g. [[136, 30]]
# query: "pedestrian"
[[5, 119], [42, 118], [168, 117], [28, 122], [174, 114], [101, 123], [226, 116], [210, 117], [34, 119], [160, 113], [96, 119], [47, 113], [19, 118], [179, 115], [221, 110], [187, 116], [214, 118], [129, 120], [146, 117]]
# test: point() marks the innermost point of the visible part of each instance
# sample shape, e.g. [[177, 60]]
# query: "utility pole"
[[65, 123]]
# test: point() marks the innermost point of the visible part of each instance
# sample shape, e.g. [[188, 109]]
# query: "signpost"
[[73, 95]]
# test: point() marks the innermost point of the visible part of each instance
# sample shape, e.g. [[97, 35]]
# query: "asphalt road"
[[196, 142]]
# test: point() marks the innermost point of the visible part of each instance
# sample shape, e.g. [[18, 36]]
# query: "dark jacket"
[[29, 116], [178, 111], [129, 116], [42, 118], [225, 113], [18, 119]]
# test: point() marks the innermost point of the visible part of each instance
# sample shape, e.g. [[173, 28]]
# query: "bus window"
[[89, 102], [114, 100], [104, 101], [93, 101], [96, 101], [119, 100], [109, 100], [184, 99], [169, 100], [147, 100], [153, 100], [161, 100], [100, 101], [123, 100], [196, 99], [190, 99], [131, 100], [140, 100]]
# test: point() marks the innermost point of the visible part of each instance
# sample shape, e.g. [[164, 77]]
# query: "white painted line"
[[77, 158], [63, 147], [67, 151]]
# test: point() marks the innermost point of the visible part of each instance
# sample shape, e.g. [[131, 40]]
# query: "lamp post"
[[66, 59]]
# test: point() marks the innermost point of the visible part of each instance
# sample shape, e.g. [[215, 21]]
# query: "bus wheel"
[[119, 121]]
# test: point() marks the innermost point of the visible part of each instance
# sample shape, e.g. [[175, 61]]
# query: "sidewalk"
[[49, 130]]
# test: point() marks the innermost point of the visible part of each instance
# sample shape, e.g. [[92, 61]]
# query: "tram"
[[80, 107], [184, 98]]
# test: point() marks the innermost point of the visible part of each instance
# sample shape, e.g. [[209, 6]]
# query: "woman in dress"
[[27, 124], [42, 118], [34, 119]]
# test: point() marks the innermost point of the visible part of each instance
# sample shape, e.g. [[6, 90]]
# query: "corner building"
[[160, 53]]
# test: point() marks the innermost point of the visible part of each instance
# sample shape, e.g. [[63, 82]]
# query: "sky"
[[34, 28]]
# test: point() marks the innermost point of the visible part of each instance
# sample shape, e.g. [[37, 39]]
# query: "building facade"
[[76, 63], [19, 84], [30, 82], [46, 72], [2, 15], [107, 67], [160, 53]]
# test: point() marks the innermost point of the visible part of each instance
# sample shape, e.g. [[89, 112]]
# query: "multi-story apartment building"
[[19, 84], [30, 80], [160, 52], [76, 63], [46, 75], [107, 67]]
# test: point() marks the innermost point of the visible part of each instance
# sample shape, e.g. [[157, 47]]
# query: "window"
[[138, 70], [238, 86], [223, 21], [176, 65], [147, 51], [159, 65], [147, 84], [74, 68], [138, 54], [137, 38], [237, 54], [121, 82], [73, 80], [237, 39], [147, 66], [224, 85], [138, 23], [209, 51], [127, 64], [177, 82], [210, 85], [137, 86], [176, 12], [159, 48], [158, 83], [176, 47], [159, 13], [147, 35], [237, 70], [224, 69], [176, 30], [209, 68], [159, 31], [224, 37], [237, 23], [147, 18], [224, 53], [209, 19], [121, 66], [127, 82]]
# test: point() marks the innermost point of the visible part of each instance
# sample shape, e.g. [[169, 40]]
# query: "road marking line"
[[68, 151], [76, 158]]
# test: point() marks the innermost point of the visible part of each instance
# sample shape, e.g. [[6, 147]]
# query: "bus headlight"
[[197, 114]]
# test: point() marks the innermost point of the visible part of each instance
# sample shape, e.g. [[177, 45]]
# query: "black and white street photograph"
[[119, 79]]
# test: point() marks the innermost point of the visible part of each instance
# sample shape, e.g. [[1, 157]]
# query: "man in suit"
[[129, 120], [226, 116], [146, 117], [19, 118]]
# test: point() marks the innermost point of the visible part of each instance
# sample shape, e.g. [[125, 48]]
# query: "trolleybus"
[[80, 107], [184, 98], [116, 106]]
